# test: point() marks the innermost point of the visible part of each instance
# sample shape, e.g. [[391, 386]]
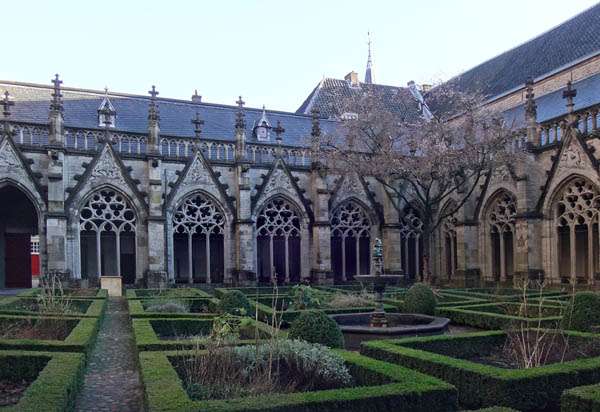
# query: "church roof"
[[331, 96], [576, 39], [32, 102]]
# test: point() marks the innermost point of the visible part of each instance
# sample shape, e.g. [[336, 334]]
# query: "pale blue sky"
[[271, 52]]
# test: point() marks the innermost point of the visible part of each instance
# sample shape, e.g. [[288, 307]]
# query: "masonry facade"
[[164, 191]]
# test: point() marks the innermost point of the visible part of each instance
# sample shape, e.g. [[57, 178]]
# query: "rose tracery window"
[[411, 243], [502, 233], [107, 225], [198, 229], [278, 241], [576, 222], [350, 241]]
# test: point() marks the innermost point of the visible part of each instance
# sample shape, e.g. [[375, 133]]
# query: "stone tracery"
[[502, 221], [350, 223], [198, 215]]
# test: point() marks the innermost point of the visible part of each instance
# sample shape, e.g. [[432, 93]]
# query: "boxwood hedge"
[[583, 398], [147, 331], [492, 316], [81, 338], [380, 386], [33, 292], [55, 387], [167, 293], [481, 385], [81, 307], [137, 308]]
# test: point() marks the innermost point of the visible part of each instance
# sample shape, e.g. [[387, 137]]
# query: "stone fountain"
[[379, 282], [358, 327]]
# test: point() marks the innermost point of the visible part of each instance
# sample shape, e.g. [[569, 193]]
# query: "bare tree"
[[423, 161]]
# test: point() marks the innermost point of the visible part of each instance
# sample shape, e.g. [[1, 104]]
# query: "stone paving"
[[112, 379]]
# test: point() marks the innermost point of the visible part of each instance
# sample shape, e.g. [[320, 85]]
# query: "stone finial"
[[197, 123], [107, 113], [569, 94], [239, 120], [6, 103], [153, 113], [316, 128], [278, 130], [530, 106], [56, 105]]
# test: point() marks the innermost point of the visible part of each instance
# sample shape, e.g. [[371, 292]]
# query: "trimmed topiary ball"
[[234, 302], [583, 313], [316, 327], [420, 299]]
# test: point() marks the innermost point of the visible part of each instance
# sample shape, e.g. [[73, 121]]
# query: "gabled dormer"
[[107, 109], [262, 127]]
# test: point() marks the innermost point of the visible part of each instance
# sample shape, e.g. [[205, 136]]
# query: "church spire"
[[370, 73]]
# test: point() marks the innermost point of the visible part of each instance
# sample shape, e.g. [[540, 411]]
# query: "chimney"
[[352, 78], [196, 98]]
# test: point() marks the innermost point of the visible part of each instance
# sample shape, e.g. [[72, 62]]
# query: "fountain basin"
[[356, 327]]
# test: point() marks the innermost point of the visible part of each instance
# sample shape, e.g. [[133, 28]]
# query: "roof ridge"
[[525, 42]]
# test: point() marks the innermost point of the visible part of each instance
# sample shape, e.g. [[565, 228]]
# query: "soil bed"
[[11, 391], [45, 329], [502, 357]]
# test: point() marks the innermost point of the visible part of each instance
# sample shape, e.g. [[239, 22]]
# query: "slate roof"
[[332, 95], [573, 40], [32, 103], [553, 105]]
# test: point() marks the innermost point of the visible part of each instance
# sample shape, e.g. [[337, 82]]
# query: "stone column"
[[56, 218], [390, 233], [468, 273]]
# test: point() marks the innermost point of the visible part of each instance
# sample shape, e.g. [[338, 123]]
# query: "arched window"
[[107, 236], [450, 255], [350, 241], [502, 236], [278, 242], [198, 228], [411, 243], [576, 222]]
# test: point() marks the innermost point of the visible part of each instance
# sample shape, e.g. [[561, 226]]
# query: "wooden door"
[[17, 259]]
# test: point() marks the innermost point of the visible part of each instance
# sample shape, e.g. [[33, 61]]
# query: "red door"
[[17, 255]]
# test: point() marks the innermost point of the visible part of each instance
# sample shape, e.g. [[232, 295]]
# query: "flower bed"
[[494, 315], [380, 386], [28, 306], [81, 338], [167, 333], [57, 379], [197, 307], [479, 385], [168, 293], [74, 293], [583, 398]]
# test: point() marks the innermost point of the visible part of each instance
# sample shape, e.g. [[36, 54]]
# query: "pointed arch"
[[108, 229], [448, 244], [198, 238], [411, 243], [574, 230], [280, 236], [351, 235], [499, 235]]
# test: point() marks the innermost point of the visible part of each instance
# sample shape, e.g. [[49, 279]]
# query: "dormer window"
[[349, 116], [107, 110], [262, 127]]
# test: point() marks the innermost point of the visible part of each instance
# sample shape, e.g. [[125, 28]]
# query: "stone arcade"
[[158, 190]]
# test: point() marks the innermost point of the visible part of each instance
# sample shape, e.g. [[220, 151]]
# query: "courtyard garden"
[[280, 349]]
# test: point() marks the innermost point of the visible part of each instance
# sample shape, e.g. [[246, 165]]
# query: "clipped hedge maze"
[[379, 386], [479, 385], [58, 378]]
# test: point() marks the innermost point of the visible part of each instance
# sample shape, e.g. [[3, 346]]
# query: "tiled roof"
[[572, 40], [32, 104], [331, 96]]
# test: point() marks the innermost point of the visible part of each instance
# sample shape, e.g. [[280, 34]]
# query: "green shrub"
[[583, 312], [234, 302], [167, 307], [582, 398], [317, 327], [420, 299]]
